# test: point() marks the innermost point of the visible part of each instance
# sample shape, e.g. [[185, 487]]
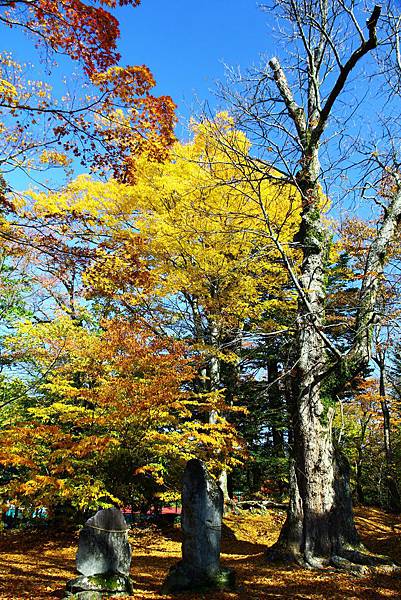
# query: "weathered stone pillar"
[[103, 558], [202, 510]]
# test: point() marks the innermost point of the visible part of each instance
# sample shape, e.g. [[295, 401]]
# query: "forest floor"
[[37, 565]]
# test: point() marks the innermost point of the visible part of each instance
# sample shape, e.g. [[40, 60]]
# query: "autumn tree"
[[290, 111], [106, 123], [103, 122], [357, 431], [357, 237], [182, 251], [112, 417]]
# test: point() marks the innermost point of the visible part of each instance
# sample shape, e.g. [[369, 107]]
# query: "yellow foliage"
[[52, 157], [204, 225], [8, 91]]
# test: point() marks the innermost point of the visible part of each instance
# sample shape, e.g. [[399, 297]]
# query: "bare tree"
[[297, 113]]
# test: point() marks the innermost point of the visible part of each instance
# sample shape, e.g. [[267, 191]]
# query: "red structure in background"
[[158, 511]]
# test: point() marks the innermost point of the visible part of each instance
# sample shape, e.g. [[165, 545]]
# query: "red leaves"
[[86, 33], [107, 130], [146, 125]]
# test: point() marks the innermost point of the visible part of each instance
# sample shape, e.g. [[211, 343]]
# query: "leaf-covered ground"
[[37, 565]]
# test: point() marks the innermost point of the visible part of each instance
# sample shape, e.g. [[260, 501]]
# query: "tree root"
[[359, 562], [363, 563]]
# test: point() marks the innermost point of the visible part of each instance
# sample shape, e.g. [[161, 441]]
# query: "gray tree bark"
[[320, 522]]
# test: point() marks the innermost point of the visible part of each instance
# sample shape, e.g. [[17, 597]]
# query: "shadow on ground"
[[37, 565]]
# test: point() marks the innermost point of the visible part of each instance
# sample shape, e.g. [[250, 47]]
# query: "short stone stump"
[[103, 558]]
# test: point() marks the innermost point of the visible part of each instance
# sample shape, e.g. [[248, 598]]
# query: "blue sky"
[[183, 43]]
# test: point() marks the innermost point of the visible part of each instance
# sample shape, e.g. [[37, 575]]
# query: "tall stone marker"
[[202, 511], [103, 558]]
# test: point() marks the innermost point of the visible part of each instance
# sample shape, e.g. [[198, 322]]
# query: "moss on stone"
[[106, 583], [225, 578], [180, 580]]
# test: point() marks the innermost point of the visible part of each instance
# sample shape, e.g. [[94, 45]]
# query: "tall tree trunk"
[[311, 534], [230, 378], [320, 520], [215, 384], [360, 496]]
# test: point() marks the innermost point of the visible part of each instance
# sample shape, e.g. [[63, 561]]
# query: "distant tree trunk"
[[360, 496], [393, 494], [215, 384], [230, 378], [276, 404], [359, 462]]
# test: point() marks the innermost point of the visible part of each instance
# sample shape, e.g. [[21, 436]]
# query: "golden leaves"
[[8, 91], [53, 157], [103, 390]]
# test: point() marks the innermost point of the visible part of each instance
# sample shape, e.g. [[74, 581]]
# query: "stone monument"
[[103, 558], [202, 511]]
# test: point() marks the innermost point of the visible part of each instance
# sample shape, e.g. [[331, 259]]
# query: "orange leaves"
[[13, 459], [116, 118], [145, 126], [116, 269], [32, 486], [92, 444], [127, 82], [84, 31], [356, 237], [114, 395]]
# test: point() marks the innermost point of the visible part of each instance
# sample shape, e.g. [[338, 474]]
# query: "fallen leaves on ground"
[[37, 565]]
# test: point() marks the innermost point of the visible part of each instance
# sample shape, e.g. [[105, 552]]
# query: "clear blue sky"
[[185, 43]]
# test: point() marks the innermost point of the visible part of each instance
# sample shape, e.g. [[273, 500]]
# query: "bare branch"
[[362, 50], [296, 112]]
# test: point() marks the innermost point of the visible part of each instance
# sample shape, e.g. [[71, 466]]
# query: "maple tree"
[[111, 417], [115, 119], [86, 32], [106, 125]]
